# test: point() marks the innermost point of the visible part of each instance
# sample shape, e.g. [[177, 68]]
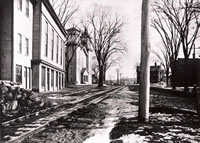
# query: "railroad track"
[[18, 129], [81, 92]]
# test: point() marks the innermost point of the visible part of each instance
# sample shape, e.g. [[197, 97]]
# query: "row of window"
[[20, 5], [19, 49], [59, 45], [50, 76]]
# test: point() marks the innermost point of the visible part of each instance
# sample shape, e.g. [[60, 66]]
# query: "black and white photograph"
[[100, 71]]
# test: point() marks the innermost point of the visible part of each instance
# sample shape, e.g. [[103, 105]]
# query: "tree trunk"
[[173, 80], [144, 66], [167, 77], [104, 75], [67, 77], [186, 75], [100, 82]]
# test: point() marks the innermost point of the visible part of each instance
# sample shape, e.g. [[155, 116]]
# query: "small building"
[[80, 69], [155, 73], [48, 48], [192, 72], [16, 34]]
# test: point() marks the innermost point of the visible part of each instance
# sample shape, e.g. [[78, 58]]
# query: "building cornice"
[[46, 63]]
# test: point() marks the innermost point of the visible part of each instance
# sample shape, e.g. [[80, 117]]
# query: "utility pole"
[[144, 64]]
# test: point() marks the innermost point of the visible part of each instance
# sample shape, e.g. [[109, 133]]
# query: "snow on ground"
[[115, 121]]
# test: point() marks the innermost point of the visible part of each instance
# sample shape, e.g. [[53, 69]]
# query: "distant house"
[[155, 74], [80, 69], [192, 73]]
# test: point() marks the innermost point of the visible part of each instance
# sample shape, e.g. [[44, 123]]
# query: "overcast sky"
[[131, 11]]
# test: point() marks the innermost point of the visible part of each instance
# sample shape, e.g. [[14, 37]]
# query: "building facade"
[[192, 72], [79, 69], [48, 48], [31, 45], [16, 27]]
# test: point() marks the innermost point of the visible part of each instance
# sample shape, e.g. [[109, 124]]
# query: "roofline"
[[69, 29], [54, 15]]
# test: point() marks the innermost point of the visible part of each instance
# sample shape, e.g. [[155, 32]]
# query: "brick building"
[[192, 73]]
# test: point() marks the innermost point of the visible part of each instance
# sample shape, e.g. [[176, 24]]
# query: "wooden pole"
[[144, 65]]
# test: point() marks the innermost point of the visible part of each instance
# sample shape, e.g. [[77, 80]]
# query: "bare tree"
[[184, 15], [105, 30], [171, 41], [72, 44], [111, 62], [95, 67], [64, 9]]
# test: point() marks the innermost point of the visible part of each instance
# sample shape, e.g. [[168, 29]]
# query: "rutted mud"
[[115, 121]]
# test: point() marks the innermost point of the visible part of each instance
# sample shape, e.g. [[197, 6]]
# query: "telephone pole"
[[144, 64]]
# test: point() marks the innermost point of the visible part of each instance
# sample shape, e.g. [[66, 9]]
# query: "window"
[[52, 78], [26, 77], [27, 8], [61, 52], [18, 73], [56, 79], [43, 77], [57, 49], [19, 4], [48, 79], [59, 80], [85, 78], [27, 47], [29, 73], [46, 39], [52, 44], [19, 50], [62, 80]]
